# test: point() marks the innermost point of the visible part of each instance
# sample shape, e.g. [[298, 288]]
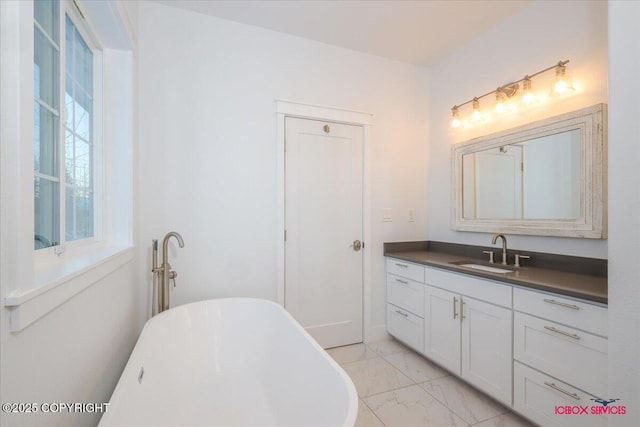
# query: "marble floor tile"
[[411, 407], [416, 367], [351, 353], [371, 376], [385, 347], [468, 403], [366, 418], [506, 420]]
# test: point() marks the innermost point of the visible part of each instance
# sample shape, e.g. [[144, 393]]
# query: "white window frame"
[[46, 257], [31, 287], [88, 35]]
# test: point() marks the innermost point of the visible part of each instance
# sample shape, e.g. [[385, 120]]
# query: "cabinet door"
[[442, 327], [486, 348]]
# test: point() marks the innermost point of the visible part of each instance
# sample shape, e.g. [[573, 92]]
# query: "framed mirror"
[[546, 178]]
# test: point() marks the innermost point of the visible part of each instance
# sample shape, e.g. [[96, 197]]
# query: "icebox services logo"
[[604, 402], [604, 407]]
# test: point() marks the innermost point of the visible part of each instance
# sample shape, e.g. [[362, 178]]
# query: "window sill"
[[57, 284]]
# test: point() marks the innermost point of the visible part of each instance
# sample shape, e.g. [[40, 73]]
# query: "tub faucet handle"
[[172, 277]]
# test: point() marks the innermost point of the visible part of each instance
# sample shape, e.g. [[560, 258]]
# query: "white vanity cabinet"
[[467, 332], [532, 350], [405, 299], [560, 352]]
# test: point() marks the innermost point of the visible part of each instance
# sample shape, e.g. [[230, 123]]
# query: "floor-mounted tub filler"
[[230, 362]]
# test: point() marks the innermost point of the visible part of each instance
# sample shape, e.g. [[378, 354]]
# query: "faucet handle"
[[490, 253], [518, 258]]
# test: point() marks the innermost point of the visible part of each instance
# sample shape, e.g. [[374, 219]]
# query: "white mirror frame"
[[592, 223]]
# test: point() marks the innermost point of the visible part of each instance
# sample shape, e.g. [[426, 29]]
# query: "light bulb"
[[455, 121], [528, 97], [476, 115], [562, 82], [501, 101]]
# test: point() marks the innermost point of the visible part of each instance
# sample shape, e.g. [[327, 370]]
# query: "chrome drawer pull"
[[552, 301], [401, 313], [455, 302], [555, 387], [404, 282], [558, 331], [402, 265]]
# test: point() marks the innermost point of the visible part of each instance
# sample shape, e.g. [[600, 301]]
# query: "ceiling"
[[418, 32]]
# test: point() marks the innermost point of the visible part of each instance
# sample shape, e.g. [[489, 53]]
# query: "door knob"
[[357, 245]]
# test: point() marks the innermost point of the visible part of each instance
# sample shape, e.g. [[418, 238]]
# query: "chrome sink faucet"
[[504, 246]]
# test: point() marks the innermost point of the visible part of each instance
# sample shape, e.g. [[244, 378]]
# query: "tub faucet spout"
[[164, 272]]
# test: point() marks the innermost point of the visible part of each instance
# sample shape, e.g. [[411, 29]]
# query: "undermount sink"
[[486, 268], [483, 267]]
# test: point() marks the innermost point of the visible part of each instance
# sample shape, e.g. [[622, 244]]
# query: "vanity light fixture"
[[528, 96], [501, 101], [455, 120], [505, 95], [562, 82], [476, 115], [503, 98]]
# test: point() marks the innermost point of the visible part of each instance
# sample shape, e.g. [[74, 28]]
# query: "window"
[[65, 155], [82, 202]]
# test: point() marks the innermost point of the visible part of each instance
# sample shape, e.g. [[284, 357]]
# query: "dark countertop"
[[591, 287]]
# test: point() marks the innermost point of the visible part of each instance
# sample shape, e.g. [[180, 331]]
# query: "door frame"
[[286, 108]]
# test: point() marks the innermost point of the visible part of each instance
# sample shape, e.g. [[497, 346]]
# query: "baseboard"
[[377, 333]]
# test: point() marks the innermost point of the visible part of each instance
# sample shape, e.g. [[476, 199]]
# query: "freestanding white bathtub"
[[230, 362]]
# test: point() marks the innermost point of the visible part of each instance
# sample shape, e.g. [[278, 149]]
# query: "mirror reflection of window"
[[551, 185]]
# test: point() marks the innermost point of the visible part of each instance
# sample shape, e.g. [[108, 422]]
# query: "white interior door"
[[323, 219]]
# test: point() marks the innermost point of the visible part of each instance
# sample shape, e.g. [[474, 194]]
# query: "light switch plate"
[[412, 215], [386, 215]]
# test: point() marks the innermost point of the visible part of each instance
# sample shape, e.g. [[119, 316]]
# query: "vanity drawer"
[[406, 327], [481, 289], [406, 293], [574, 356], [577, 314], [536, 396], [405, 269]]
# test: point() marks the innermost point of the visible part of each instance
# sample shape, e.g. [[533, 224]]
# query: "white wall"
[[624, 209], [208, 144], [538, 36], [73, 354]]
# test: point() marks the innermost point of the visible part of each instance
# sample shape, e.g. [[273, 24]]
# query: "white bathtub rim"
[[352, 394]]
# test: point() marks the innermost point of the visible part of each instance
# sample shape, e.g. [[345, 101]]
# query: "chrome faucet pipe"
[[165, 269], [155, 296], [504, 246]]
